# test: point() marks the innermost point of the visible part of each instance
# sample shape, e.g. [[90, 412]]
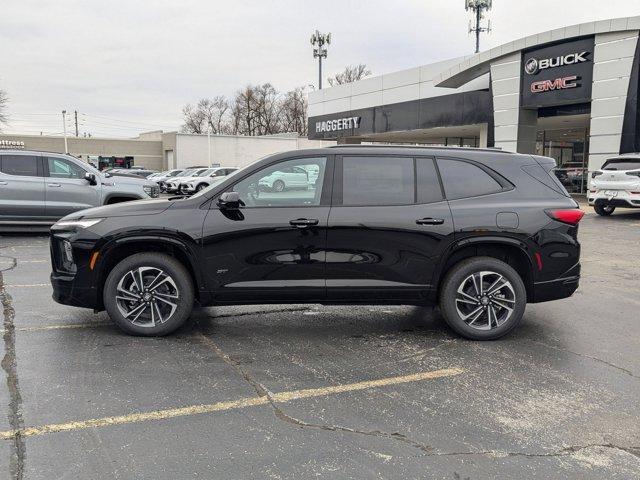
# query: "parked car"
[[173, 185], [286, 178], [206, 179], [616, 184], [164, 176], [479, 232], [138, 172], [38, 188]]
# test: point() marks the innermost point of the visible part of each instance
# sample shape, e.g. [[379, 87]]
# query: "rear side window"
[[463, 179], [377, 181], [622, 164], [427, 181], [22, 165]]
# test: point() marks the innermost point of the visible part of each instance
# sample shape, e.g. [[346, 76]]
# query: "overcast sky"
[[130, 66]]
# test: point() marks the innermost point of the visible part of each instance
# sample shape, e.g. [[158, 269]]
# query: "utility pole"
[[209, 144], [319, 40], [478, 7], [64, 130], [75, 113]]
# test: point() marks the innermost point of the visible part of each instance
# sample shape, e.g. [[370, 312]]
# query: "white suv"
[[617, 184], [210, 176]]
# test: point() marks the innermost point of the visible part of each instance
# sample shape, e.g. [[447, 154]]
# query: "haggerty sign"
[[337, 124]]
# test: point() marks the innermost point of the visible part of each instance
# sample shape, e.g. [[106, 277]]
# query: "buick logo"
[[531, 66]]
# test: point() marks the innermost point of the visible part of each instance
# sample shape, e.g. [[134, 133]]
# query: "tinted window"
[[283, 184], [377, 181], [61, 168], [463, 179], [428, 183], [24, 165]]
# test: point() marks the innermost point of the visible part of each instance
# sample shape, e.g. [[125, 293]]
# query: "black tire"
[[452, 302], [603, 210], [278, 186], [151, 263], [201, 186]]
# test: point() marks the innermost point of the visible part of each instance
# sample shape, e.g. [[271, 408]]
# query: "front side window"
[[377, 181], [19, 165], [463, 179], [61, 168], [284, 184]]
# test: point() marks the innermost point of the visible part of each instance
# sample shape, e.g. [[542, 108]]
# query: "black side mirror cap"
[[229, 200], [91, 178]]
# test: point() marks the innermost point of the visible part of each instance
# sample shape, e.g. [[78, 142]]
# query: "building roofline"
[[479, 64]]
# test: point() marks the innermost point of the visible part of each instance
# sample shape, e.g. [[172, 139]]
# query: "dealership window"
[[463, 179], [60, 168], [21, 165], [292, 183], [377, 181]]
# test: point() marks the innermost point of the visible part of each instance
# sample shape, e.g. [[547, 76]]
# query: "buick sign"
[[533, 65], [338, 124]]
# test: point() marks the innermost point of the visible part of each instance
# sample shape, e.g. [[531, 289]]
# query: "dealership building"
[[164, 150], [569, 93]]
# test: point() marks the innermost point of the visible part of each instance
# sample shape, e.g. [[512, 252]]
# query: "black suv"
[[479, 232]]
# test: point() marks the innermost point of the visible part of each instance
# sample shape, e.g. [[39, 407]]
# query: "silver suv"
[[38, 188]]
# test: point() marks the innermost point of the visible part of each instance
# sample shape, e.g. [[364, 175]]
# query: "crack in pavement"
[[262, 391], [9, 365]]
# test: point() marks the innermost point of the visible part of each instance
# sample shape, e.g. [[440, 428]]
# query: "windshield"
[[203, 173], [622, 164], [186, 173]]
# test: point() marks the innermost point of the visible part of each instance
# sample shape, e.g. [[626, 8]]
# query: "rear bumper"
[[67, 293], [559, 288], [622, 198]]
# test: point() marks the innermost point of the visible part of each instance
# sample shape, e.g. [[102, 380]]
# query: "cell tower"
[[478, 7]]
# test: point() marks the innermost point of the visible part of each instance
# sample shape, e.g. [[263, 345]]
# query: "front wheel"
[[278, 186], [149, 294], [604, 210], [482, 298], [200, 187]]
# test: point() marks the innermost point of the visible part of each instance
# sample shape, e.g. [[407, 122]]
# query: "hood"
[[125, 180], [124, 209]]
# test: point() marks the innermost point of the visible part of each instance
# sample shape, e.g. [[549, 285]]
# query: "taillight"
[[633, 174], [571, 216]]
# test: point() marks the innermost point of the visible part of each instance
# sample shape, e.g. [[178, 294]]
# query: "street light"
[[318, 40], [64, 130], [477, 7]]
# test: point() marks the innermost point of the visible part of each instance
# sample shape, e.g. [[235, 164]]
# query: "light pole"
[[64, 130], [478, 7], [318, 40], [209, 144]]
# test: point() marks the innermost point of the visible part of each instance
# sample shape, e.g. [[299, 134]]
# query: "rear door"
[[388, 226], [66, 189], [21, 187]]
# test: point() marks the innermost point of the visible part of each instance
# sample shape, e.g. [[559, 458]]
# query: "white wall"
[[236, 151]]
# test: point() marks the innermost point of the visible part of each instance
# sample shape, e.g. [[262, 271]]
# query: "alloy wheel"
[[485, 300], [147, 296]]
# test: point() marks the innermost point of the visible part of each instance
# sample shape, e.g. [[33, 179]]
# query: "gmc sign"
[[557, 84]]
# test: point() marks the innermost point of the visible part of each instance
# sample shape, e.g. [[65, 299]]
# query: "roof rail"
[[426, 147]]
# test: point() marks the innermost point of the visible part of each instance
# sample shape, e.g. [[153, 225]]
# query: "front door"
[[388, 227], [21, 187], [66, 189], [273, 247]]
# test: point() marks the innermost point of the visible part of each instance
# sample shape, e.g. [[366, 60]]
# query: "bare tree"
[[194, 119], [351, 73], [207, 114], [293, 112], [3, 105], [267, 109]]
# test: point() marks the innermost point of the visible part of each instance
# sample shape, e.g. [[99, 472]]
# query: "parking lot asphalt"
[[302, 391]]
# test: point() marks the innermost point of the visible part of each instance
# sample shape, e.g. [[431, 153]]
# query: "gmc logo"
[[557, 84]]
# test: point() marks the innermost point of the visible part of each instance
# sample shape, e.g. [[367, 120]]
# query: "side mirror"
[[229, 200], [91, 178]]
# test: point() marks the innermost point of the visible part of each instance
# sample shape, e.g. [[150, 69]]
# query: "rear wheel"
[[482, 298], [604, 210], [148, 294]]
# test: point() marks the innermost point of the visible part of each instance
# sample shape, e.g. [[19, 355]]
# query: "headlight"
[[148, 189], [89, 222]]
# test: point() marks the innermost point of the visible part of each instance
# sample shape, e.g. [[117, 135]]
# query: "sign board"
[[558, 74], [11, 144]]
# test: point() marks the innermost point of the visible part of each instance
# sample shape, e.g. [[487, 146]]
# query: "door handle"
[[430, 221], [54, 184], [303, 222]]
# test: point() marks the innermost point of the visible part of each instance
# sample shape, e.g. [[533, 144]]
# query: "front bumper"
[[67, 292]]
